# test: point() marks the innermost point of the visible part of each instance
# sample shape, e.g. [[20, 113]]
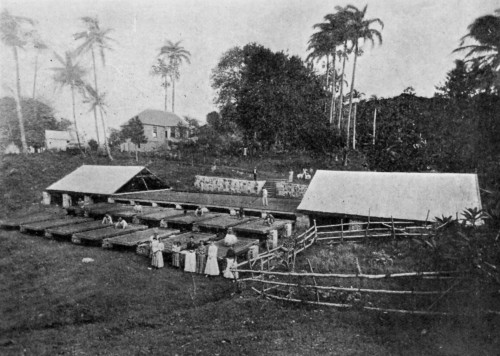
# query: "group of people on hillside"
[[198, 258]]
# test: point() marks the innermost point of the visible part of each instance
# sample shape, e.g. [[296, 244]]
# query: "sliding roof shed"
[[381, 195], [102, 181]]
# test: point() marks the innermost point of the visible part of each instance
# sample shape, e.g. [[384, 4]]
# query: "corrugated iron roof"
[[89, 179], [160, 118], [384, 195]]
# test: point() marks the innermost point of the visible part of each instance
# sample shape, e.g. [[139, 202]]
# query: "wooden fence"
[[429, 289]]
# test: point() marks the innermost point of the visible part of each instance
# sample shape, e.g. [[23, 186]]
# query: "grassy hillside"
[[53, 303]]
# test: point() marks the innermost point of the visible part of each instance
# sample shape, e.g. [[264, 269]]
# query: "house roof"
[[408, 196], [89, 179], [60, 135], [160, 118]]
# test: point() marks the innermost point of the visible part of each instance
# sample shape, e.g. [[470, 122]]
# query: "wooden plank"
[[40, 226], [241, 247], [222, 222], [163, 214], [127, 214], [101, 211], [138, 237], [101, 234], [68, 230], [186, 221], [259, 226], [15, 222]]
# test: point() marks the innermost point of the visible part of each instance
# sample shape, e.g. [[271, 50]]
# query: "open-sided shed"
[[92, 181], [384, 195]]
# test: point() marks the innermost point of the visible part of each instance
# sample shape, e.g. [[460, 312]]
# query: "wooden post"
[[367, 226], [342, 231], [314, 280], [354, 127], [374, 124], [315, 230], [393, 230]]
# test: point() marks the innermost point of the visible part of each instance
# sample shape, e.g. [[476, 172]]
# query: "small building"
[[60, 140], [417, 197], [12, 149], [160, 127], [97, 183]]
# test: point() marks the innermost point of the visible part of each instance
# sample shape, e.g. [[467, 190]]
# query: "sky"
[[418, 39]]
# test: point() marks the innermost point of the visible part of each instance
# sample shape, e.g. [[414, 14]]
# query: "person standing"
[[190, 261], [157, 248], [230, 239], [201, 258], [230, 263], [176, 249], [255, 173], [264, 197], [212, 267]]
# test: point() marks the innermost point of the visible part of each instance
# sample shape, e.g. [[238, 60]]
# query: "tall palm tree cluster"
[[339, 37], [17, 32], [485, 51], [169, 60]]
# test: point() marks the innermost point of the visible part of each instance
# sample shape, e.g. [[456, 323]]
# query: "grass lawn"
[[51, 303]]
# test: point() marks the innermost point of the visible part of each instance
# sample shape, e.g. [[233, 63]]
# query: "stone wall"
[[228, 185], [290, 190]]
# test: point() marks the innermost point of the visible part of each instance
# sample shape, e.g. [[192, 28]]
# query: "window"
[[155, 131]]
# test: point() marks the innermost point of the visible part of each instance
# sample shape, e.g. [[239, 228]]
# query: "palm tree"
[[39, 46], [176, 55], [358, 28], [486, 31], [70, 74], [97, 101], [15, 35], [94, 38], [331, 34], [162, 69]]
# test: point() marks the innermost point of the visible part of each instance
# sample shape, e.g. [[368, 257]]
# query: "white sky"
[[419, 36]]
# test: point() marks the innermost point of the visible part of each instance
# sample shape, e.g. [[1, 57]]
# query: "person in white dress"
[[230, 263], [264, 197], [230, 239], [212, 267], [157, 248], [190, 261]]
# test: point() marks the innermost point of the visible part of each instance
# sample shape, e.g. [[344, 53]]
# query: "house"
[[383, 196], [159, 127], [96, 183], [60, 140]]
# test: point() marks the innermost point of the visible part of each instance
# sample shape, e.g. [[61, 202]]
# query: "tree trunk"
[[74, 118], [34, 78], [165, 84], [327, 77], [97, 92], [354, 127], [334, 87], [341, 98], [136, 154], [374, 124], [352, 87], [106, 146], [173, 94], [18, 103]]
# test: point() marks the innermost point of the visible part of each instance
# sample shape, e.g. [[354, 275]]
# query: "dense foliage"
[[38, 117], [273, 98]]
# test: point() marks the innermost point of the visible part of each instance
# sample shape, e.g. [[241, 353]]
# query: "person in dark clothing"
[[255, 173], [191, 246]]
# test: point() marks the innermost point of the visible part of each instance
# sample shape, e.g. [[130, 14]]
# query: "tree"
[[115, 138], [162, 69], [70, 74], [269, 97], [324, 43], [176, 55], [97, 101], [485, 30], [134, 130], [193, 126], [38, 117], [358, 28], [39, 46], [15, 35], [95, 38]]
